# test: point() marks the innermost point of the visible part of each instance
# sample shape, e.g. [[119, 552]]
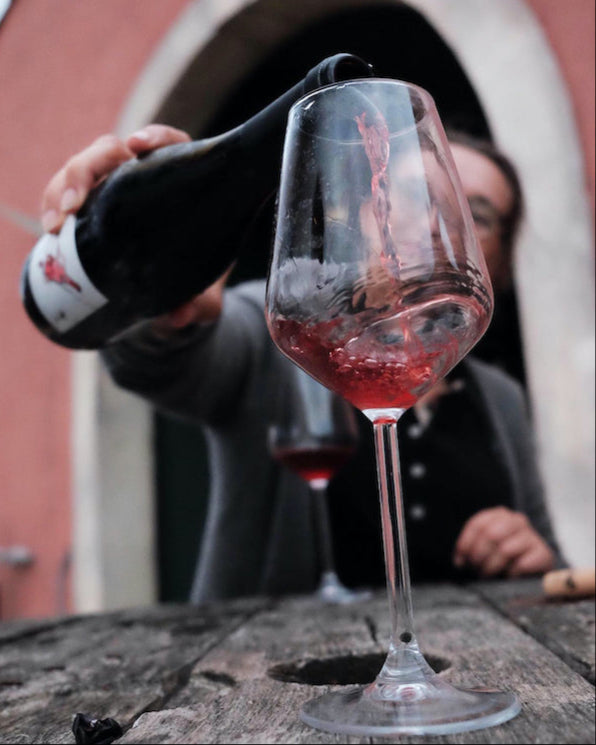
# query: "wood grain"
[[229, 673], [566, 627], [230, 697], [117, 665]]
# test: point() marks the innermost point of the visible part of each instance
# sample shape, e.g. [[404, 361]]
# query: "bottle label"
[[62, 290]]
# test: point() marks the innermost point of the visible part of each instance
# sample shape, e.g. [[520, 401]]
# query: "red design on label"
[[55, 271]]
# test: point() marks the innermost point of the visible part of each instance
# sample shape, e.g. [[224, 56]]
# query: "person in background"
[[497, 230], [474, 502]]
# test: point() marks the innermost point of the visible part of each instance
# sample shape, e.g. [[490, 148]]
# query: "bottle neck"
[[272, 119], [262, 135]]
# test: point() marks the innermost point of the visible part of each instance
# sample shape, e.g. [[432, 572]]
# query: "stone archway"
[[531, 118]]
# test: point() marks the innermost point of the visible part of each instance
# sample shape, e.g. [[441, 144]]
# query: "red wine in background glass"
[[314, 462], [313, 433]]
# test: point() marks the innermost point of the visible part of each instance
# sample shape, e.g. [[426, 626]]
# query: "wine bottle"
[[161, 228]]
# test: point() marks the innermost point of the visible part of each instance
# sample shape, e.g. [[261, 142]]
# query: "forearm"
[[198, 372], [156, 366]]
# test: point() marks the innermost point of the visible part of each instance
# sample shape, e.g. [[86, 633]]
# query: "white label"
[[63, 292]]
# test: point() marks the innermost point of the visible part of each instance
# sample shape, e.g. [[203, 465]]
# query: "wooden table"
[[238, 672]]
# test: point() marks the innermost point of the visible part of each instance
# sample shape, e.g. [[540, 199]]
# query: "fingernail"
[[141, 134], [70, 200], [50, 220]]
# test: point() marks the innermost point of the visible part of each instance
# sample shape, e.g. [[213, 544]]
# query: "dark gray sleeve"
[[199, 372], [508, 408], [531, 497]]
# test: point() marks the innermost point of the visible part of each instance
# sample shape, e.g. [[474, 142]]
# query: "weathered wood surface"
[[115, 665], [228, 674], [565, 627]]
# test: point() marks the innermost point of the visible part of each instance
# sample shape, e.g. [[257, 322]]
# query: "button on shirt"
[[450, 470]]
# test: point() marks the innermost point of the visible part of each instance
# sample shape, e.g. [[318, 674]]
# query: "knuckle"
[[510, 551], [155, 128], [485, 533], [544, 551], [71, 169], [52, 190], [480, 551], [494, 531], [166, 134], [108, 142]]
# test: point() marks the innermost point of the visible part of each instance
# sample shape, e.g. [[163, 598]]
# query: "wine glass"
[[314, 432], [377, 288]]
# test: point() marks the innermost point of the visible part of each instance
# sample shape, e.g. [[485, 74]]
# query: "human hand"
[[203, 308], [500, 541], [70, 186]]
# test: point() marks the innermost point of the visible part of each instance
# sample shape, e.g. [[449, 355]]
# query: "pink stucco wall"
[[66, 70], [570, 29]]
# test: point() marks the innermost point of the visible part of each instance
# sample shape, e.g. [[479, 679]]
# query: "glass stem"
[[394, 536], [318, 489]]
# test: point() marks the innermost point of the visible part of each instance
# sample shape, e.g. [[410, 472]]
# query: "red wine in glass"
[[314, 463], [373, 367]]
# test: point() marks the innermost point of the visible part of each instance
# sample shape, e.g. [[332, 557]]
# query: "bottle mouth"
[[339, 68], [350, 67]]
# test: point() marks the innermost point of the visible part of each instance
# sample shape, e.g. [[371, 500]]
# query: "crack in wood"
[[223, 678], [178, 679], [372, 628]]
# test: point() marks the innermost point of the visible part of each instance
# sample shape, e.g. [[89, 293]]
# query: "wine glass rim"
[[424, 95]]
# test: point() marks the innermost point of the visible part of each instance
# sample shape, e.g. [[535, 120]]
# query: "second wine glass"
[[313, 433]]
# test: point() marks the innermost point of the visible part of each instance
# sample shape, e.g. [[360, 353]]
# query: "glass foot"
[[417, 704], [331, 590]]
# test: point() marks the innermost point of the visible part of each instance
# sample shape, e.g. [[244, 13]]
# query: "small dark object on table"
[[89, 731]]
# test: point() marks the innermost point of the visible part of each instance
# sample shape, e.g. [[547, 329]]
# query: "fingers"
[[505, 553], [186, 314], [203, 308], [537, 560], [155, 135], [69, 188], [483, 531], [498, 540]]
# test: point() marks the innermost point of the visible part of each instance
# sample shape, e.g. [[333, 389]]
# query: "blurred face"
[[491, 200], [424, 210]]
